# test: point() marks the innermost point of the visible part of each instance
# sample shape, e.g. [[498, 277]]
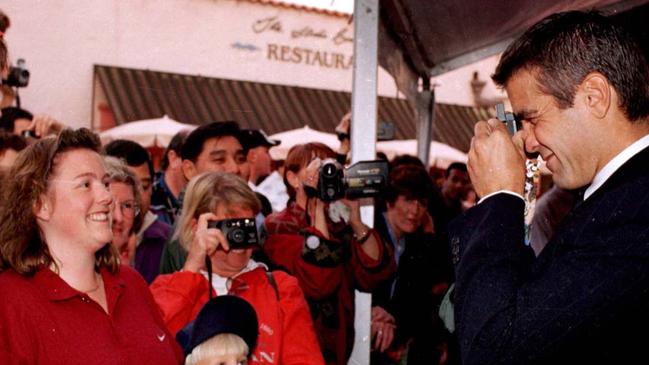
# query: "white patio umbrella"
[[441, 155], [148, 133], [300, 136]]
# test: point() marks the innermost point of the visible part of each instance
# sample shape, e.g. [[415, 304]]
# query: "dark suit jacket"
[[585, 300], [423, 264]]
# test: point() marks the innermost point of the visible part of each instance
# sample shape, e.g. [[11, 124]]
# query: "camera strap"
[[208, 266]]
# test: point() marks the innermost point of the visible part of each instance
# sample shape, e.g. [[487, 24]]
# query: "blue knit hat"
[[225, 314]]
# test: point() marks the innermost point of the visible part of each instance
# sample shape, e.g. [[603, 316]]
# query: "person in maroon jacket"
[[330, 260], [65, 297]]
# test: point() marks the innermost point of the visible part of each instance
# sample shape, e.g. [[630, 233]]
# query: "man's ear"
[[174, 159], [189, 169], [596, 92], [293, 179], [252, 156], [42, 208]]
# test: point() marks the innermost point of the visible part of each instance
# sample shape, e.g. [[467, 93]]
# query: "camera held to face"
[[18, 75], [360, 180], [240, 232]]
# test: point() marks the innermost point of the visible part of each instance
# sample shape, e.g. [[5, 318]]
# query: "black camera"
[[360, 180], [240, 232], [18, 75]]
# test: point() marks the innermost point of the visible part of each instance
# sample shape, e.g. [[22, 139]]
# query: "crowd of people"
[[104, 260]]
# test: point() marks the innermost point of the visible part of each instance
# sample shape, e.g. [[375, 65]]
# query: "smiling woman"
[[68, 291]]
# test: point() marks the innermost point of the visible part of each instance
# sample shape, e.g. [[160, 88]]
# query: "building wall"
[[61, 40]]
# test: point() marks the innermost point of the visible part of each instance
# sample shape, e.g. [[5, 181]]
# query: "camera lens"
[[237, 236], [329, 170]]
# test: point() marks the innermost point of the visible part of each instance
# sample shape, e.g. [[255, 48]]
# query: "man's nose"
[[231, 166], [531, 144]]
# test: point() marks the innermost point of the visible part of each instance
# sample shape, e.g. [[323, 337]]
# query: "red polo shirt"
[[45, 321]]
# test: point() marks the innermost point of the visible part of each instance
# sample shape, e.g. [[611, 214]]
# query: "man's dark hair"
[[565, 47], [409, 180], [9, 116], [11, 141], [193, 145], [131, 152], [455, 166], [176, 144]]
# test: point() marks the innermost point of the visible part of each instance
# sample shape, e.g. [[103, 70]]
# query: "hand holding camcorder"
[[362, 179], [240, 232]]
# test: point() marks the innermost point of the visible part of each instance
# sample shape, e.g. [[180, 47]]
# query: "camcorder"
[[360, 180], [240, 232], [18, 75]]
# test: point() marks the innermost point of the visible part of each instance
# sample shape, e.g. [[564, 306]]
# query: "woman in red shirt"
[[65, 297]]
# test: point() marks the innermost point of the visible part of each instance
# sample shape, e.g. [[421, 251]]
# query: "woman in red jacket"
[[330, 260], [286, 334], [65, 297]]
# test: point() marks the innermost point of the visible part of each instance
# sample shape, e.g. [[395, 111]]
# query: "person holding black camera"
[[21, 122], [328, 248], [579, 83], [219, 263]]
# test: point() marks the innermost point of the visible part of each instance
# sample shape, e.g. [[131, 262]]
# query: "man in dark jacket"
[[579, 84]]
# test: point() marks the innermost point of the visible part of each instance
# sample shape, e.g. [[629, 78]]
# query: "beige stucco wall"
[[61, 40]]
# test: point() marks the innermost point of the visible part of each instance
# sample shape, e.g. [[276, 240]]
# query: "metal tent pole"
[[363, 142]]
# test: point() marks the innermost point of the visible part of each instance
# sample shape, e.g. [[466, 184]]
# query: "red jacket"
[[43, 320], [286, 334], [329, 288]]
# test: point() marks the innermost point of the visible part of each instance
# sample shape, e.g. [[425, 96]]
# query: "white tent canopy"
[[300, 136], [441, 155], [156, 132]]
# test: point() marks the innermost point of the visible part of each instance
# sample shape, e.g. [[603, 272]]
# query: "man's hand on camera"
[[496, 160]]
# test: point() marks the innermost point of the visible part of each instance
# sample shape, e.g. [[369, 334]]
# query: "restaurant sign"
[[332, 57]]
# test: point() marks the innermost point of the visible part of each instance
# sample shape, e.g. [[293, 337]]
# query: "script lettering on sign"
[[270, 23], [303, 55]]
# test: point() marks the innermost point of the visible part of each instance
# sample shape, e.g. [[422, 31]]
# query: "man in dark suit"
[[580, 86]]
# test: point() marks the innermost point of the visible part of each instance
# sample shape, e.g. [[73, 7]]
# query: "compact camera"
[[240, 232], [508, 118], [18, 75], [360, 180]]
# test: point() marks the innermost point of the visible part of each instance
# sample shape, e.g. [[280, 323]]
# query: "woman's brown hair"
[[22, 246]]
